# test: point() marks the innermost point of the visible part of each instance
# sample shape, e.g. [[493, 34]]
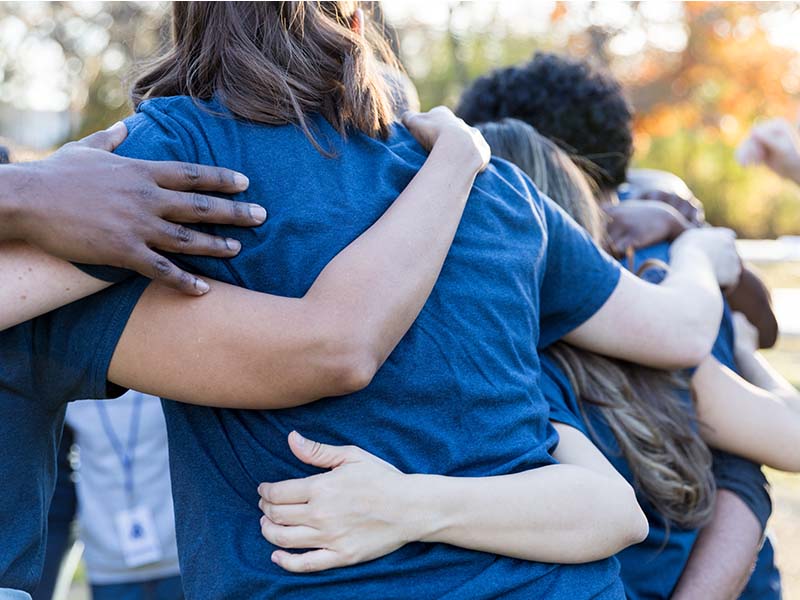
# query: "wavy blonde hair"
[[643, 407]]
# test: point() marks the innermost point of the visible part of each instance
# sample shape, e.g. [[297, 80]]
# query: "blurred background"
[[698, 73]]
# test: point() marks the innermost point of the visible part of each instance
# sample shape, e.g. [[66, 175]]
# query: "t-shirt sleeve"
[[746, 480], [723, 349], [560, 396], [579, 277], [69, 350], [152, 135]]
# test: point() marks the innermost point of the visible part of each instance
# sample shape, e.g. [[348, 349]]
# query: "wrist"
[[423, 514], [459, 149], [14, 207]]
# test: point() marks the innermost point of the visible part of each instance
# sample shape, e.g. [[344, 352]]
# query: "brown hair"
[[277, 63], [656, 435]]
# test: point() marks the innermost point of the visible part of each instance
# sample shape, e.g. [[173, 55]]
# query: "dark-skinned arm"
[[724, 554], [751, 297], [85, 204]]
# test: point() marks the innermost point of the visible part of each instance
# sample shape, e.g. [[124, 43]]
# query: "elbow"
[[633, 525], [354, 364], [696, 338], [698, 345], [356, 371]]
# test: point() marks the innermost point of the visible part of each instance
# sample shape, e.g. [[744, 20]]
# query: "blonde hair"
[[643, 408]]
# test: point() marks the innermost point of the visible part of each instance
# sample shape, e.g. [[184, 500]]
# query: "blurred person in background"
[[775, 144], [585, 111], [124, 495]]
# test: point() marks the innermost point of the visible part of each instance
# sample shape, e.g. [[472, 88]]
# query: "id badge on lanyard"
[[136, 529]]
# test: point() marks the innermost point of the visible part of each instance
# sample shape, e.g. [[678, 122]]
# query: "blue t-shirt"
[[456, 397], [733, 473], [650, 569], [44, 363]]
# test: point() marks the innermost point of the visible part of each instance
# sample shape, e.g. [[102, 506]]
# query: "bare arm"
[[34, 283], [85, 204], [278, 352], [744, 419], [583, 509], [724, 554], [671, 325]]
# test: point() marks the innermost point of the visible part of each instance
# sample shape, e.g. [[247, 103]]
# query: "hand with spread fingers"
[[348, 515], [85, 204]]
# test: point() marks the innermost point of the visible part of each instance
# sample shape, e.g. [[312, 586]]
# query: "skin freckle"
[[23, 297]]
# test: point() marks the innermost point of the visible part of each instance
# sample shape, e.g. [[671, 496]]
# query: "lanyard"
[[127, 453]]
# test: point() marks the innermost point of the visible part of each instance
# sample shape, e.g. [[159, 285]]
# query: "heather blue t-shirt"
[[652, 568], [44, 363], [456, 397]]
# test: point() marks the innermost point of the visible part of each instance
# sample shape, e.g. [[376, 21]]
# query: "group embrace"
[[460, 359]]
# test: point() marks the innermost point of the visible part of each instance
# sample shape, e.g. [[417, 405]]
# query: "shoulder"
[[511, 176]]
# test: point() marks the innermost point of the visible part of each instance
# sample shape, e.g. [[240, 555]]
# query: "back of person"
[[652, 568], [107, 433], [454, 398]]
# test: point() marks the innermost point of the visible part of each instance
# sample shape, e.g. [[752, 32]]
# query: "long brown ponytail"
[[643, 407]]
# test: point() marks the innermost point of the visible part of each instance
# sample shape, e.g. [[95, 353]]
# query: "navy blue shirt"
[[44, 363], [652, 568], [456, 397]]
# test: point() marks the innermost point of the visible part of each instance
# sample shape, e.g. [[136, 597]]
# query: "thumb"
[[317, 454], [108, 139]]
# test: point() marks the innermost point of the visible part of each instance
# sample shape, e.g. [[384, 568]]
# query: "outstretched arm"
[[760, 424], [85, 204], [584, 510], [671, 325], [278, 352]]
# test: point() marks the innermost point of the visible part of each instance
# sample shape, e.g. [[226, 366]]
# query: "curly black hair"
[[580, 107]]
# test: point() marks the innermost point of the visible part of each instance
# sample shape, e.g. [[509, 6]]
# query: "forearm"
[[723, 555], [744, 419], [669, 326], [282, 352], [33, 283], [373, 291], [693, 290], [12, 205], [577, 516], [751, 297], [757, 370]]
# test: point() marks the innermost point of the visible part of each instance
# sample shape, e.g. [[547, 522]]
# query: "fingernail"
[[233, 244], [116, 125], [301, 441], [262, 487], [257, 213], [263, 519], [241, 181], [201, 286]]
